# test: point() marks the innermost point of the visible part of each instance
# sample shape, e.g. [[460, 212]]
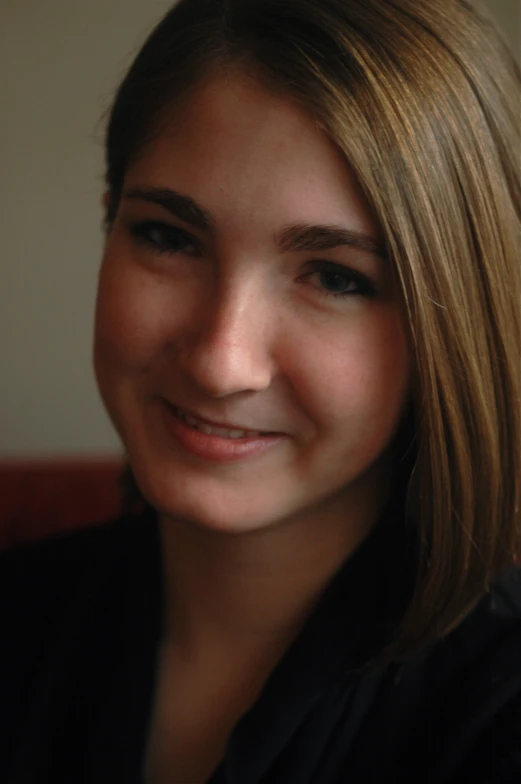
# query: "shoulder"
[[45, 564], [478, 666], [65, 603], [496, 756], [493, 696], [69, 549], [505, 595], [44, 583], [488, 641], [474, 697], [455, 706]]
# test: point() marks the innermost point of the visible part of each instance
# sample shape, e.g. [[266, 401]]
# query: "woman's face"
[[243, 289]]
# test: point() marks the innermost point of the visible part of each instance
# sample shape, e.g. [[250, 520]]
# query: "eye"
[[163, 237], [339, 281]]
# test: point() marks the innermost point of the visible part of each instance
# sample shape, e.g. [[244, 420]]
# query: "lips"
[[215, 442], [222, 430], [214, 430]]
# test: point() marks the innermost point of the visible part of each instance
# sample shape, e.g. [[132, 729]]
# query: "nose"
[[227, 346]]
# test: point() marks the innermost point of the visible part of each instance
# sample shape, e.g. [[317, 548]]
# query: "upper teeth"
[[210, 430]]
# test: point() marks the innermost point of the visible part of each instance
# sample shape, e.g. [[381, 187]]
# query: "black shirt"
[[81, 620]]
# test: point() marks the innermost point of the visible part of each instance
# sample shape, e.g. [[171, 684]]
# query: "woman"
[[307, 337]]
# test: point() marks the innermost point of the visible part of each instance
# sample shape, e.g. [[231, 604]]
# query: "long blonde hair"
[[423, 100]]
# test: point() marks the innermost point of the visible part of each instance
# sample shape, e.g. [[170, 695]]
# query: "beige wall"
[[60, 61], [508, 14]]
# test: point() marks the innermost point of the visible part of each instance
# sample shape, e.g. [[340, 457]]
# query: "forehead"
[[234, 144]]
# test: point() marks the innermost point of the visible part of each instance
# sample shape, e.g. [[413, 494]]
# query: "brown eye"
[[339, 281], [163, 237]]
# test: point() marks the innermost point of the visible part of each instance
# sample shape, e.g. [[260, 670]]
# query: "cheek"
[[356, 376], [128, 330]]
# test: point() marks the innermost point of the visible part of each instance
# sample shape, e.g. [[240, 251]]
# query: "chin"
[[206, 504]]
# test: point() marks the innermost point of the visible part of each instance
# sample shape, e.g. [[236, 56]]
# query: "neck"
[[253, 591]]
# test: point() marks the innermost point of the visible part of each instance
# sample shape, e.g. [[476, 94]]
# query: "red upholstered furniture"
[[40, 497]]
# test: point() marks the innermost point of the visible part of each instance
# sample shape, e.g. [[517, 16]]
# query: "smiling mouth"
[[214, 430]]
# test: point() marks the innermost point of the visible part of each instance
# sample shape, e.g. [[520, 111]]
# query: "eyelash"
[[364, 287], [173, 240]]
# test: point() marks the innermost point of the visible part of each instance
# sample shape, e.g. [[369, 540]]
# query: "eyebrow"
[[182, 207], [319, 238], [301, 237]]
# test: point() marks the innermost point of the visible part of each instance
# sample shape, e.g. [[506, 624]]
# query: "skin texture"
[[238, 329]]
